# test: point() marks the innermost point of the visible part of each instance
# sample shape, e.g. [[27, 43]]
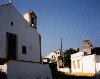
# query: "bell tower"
[[31, 18]]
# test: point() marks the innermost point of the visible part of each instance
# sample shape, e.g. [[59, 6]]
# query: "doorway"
[[11, 42]]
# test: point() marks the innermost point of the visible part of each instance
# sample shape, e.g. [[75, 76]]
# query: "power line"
[[92, 32]]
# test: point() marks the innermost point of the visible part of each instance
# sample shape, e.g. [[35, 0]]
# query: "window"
[[11, 23], [23, 49], [74, 64], [78, 64]]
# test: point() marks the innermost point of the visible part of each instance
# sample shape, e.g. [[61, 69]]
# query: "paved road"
[[59, 75]]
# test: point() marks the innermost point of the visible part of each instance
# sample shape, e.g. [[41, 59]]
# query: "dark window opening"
[[58, 52], [12, 24], [23, 49]]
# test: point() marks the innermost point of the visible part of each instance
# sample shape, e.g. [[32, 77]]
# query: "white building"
[[85, 64], [88, 61], [19, 40], [20, 44], [76, 62], [53, 56]]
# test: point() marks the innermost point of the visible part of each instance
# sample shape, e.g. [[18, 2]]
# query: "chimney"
[[31, 18]]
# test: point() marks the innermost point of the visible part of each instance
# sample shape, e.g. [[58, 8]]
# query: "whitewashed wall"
[[27, 35], [89, 64], [98, 64], [23, 70], [53, 55], [98, 68], [75, 57], [65, 70]]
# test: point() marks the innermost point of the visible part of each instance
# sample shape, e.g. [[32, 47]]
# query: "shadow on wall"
[[98, 72], [3, 75]]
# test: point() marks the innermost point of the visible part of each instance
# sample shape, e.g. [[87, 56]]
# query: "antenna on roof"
[[10, 1]]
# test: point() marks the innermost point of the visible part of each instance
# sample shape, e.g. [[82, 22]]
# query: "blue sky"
[[71, 20]]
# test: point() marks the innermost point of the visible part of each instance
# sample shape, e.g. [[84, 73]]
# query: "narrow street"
[[60, 75]]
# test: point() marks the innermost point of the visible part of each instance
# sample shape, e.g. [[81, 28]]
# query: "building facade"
[[76, 62], [53, 56], [85, 64], [87, 61], [19, 40], [20, 45]]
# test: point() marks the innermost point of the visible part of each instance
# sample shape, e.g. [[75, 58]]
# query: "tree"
[[60, 57], [67, 56]]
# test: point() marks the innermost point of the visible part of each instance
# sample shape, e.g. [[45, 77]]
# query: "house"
[[53, 56], [20, 44], [19, 39], [76, 58], [86, 63]]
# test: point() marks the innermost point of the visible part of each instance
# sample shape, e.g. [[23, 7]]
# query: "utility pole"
[[61, 45]]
